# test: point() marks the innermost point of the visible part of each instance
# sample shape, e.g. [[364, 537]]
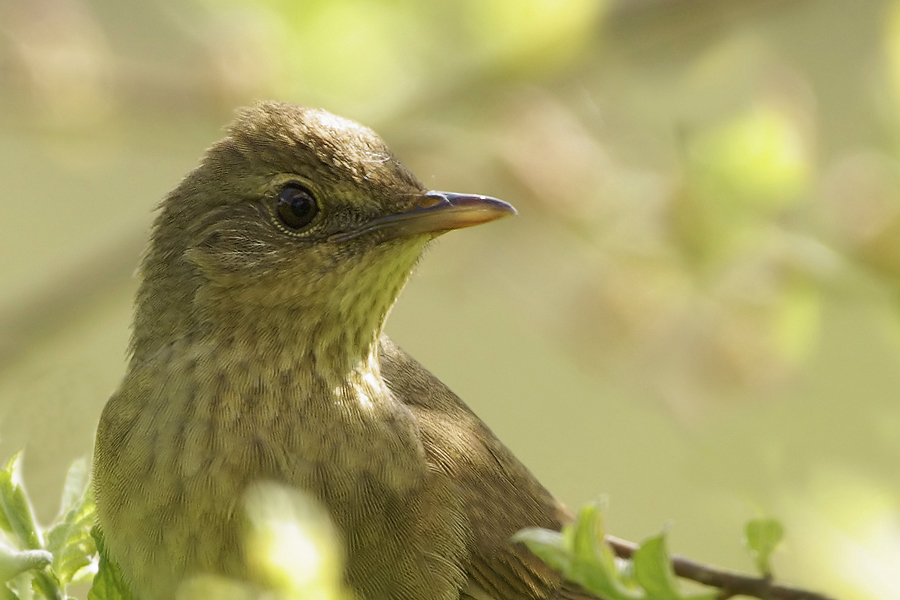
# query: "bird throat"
[[321, 355], [289, 359]]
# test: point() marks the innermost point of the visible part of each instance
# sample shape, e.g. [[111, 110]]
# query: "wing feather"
[[500, 494]]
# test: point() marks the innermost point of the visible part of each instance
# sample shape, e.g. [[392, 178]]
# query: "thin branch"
[[731, 583]]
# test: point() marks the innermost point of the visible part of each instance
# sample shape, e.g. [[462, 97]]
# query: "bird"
[[258, 354]]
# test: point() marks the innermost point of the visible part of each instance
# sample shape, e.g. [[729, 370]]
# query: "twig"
[[731, 583]]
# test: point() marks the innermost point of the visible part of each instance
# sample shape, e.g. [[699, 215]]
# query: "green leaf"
[[69, 539], [5, 525], [653, 571], [763, 536], [7, 594], [77, 486], [581, 554], [23, 530], [20, 586], [548, 546], [291, 545], [46, 584], [594, 563], [17, 511], [13, 562], [108, 582]]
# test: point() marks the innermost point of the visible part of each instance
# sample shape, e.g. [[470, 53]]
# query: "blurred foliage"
[[291, 547], [44, 562], [108, 582], [709, 190], [584, 554], [719, 246], [763, 537], [293, 552], [580, 553], [347, 53]]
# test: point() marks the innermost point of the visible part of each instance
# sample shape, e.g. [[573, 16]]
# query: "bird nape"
[[258, 354]]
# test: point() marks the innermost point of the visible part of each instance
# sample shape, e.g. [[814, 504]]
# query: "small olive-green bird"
[[258, 355]]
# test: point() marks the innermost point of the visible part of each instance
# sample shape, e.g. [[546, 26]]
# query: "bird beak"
[[435, 213]]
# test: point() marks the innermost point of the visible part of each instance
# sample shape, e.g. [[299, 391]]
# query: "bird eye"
[[296, 207]]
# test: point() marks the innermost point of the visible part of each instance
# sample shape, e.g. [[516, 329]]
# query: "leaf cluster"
[[580, 552], [42, 563], [293, 548]]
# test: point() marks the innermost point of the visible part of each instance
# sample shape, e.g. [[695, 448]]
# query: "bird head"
[[298, 216]]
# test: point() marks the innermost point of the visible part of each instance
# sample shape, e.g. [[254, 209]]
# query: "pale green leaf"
[[653, 571], [16, 508], [69, 539], [548, 545], [763, 536], [108, 582], [13, 562]]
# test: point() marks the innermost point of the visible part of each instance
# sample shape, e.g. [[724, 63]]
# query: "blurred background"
[[697, 312]]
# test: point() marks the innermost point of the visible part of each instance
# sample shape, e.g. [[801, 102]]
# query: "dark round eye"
[[296, 208]]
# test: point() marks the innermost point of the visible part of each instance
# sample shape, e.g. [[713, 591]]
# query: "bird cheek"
[[227, 252]]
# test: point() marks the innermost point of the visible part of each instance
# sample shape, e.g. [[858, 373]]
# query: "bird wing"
[[500, 494]]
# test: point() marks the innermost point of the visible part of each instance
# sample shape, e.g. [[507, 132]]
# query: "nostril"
[[430, 199]]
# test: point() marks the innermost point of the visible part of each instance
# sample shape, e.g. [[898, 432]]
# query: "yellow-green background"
[[696, 311]]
